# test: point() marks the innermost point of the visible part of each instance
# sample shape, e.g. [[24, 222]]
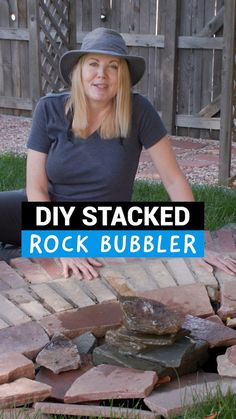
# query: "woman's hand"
[[215, 259], [82, 268]]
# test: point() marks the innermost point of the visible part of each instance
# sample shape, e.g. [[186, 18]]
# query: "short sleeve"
[[150, 126], [38, 138]]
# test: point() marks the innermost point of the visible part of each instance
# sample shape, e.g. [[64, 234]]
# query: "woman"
[[85, 145]]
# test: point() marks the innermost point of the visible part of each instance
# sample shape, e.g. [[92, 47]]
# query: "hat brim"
[[70, 58]]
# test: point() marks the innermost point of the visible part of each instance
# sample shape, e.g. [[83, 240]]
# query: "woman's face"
[[100, 78]]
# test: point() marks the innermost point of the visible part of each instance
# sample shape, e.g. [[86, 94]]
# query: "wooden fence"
[[183, 42]]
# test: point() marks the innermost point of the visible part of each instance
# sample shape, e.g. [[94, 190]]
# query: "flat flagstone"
[[225, 367], [92, 411], [111, 382], [60, 383], [23, 391], [27, 339], [228, 300], [214, 334], [173, 398], [59, 355], [186, 299], [231, 354], [96, 319], [15, 365]]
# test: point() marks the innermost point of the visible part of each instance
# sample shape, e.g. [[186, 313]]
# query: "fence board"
[[207, 64], [227, 99], [197, 72], [169, 65], [184, 63]]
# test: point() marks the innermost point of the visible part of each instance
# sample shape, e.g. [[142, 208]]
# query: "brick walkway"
[[33, 289]]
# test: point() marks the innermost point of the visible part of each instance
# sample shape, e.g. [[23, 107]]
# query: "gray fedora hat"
[[102, 41]]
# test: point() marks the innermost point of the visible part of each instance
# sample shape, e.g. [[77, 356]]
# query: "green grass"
[[220, 203], [223, 405], [12, 172]]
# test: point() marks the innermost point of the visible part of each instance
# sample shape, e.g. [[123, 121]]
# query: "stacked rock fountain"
[[151, 338]]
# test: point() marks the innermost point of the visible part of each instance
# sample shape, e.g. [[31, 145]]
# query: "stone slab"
[[231, 354], [225, 367], [15, 365], [173, 398], [27, 339], [59, 355], [96, 319], [214, 334], [228, 300], [60, 383], [111, 382], [92, 411], [22, 391], [186, 299]]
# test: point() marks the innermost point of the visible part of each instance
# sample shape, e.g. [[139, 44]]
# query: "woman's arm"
[[36, 178], [171, 175], [37, 190]]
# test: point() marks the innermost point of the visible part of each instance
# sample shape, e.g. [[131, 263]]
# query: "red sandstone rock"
[[175, 397], [111, 382], [22, 392], [13, 366], [28, 339], [215, 334], [185, 299], [96, 319]]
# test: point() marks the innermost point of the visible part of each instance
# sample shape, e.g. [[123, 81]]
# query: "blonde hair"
[[117, 122]]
